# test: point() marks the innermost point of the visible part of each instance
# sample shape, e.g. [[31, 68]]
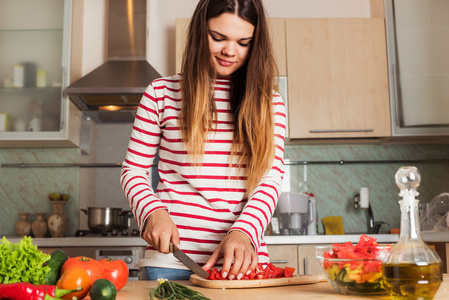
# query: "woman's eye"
[[217, 39], [245, 44]]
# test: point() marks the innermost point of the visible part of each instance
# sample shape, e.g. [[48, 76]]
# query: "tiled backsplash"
[[334, 185], [27, 189]]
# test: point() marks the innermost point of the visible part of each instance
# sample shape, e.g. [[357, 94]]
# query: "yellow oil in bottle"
[[411, 281]]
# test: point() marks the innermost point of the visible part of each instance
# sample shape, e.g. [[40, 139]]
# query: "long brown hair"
[[250, 94]]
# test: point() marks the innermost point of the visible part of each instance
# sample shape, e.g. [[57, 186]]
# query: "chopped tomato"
[[270, 271], [213, 273], [360, 256], [289, 271]]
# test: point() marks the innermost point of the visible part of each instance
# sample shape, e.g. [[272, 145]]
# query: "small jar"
[[23, 226], [39, 226]]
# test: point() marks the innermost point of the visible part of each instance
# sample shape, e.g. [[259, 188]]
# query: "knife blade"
[[188, 262]]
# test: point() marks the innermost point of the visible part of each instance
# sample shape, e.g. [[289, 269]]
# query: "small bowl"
[[359, 275]]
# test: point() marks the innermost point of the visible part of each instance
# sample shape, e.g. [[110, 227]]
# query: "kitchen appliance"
[[188, 262], [105, 219], [295, 213], [129, 255], [112, 92]]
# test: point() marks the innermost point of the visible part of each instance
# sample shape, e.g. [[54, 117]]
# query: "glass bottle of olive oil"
[[411, 269]]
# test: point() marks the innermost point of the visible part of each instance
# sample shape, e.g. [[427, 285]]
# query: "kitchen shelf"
[[323, 162]]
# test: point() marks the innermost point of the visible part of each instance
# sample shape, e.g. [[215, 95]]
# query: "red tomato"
[[92, 266], [72, 278], [116, 271]]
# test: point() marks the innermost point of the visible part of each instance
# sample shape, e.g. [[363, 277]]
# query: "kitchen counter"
[[134, 241], [139, 290]]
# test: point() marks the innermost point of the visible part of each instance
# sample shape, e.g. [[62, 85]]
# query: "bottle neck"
[[410, 219]]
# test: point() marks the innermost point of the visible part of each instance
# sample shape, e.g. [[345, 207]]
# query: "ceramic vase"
[[23, 226], [39, 226], [57, 221]]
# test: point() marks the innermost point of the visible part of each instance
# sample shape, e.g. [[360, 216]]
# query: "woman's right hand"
[[160, 230]]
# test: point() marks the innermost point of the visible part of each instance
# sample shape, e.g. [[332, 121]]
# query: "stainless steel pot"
[[103, 219]]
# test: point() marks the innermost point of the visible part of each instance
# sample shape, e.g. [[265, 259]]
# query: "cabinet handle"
[[279, 261], [63, 85], [396, 99], [340, 130], [305, 266]]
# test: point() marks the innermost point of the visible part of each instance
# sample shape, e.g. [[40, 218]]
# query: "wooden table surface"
[[139, 290]]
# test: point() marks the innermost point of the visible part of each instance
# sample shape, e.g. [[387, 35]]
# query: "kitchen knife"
[[188, 262]]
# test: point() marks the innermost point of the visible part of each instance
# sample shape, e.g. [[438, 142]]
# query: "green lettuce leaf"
[[22, 262]]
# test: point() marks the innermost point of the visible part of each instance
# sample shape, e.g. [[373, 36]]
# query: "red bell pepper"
[[29, 291]]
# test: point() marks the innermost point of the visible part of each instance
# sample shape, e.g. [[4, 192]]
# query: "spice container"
[[411, 270]]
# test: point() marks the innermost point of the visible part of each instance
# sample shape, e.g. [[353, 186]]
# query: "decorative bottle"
[[58, 220], [39, 226], [411, 269], [23, 226]]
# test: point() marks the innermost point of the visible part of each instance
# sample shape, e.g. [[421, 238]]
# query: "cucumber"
[[103, 289], [58, 258]]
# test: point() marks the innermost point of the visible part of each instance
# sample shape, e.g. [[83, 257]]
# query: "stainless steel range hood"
[[111, 93]]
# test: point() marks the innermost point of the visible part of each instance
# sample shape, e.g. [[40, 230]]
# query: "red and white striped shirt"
[[205, 201]]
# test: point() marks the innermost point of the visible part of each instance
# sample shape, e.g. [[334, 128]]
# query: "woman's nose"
[[229, 49]]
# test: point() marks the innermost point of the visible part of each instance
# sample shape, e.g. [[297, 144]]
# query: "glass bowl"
[[353, 270]]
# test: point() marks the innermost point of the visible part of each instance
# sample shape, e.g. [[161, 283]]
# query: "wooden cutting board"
[[253, 283]]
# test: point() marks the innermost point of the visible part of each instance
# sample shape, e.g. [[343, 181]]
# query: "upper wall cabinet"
[[34, 61], [277, 33], [337, 78], [418, 47]]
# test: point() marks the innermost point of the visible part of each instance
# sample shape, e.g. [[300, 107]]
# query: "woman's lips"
[[224, 63]]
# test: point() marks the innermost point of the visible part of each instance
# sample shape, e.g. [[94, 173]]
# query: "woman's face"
[[229, 42]]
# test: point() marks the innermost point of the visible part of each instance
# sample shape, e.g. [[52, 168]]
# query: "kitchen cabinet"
[[337, 78], [277, 34], [284, 256], [418, 66], [307, 261], [34, 70]]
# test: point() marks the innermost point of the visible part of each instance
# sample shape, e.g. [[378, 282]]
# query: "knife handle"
[[172, 248]]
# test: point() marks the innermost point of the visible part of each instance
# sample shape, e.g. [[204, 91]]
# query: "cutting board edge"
[[255, 283]]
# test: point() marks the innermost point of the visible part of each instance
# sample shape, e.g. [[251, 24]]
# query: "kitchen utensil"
[[252, 283], [104, 219], [295, 213], [188, 262], [126, 218]]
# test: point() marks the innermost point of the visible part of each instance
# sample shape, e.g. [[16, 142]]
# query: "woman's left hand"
[[235, 246]]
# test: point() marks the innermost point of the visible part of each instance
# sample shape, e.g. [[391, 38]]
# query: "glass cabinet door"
[[418, 47], [34, 44]]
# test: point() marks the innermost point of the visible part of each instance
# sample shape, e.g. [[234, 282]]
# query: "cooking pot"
[[103, 219]]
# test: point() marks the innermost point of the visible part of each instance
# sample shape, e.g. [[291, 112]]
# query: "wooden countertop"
[[140, 290]]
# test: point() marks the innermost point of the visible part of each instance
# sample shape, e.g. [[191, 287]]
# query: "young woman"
[[219, 128]]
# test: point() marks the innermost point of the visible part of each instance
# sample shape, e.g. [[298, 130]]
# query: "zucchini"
[[58, 258]]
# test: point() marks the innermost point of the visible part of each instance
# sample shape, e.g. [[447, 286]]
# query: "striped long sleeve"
[[205, 201]]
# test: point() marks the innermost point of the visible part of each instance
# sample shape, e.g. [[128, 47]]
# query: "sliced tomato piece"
[[289, 271], [213, 273]]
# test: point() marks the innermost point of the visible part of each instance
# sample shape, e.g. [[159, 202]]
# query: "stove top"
[[113, 232]]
